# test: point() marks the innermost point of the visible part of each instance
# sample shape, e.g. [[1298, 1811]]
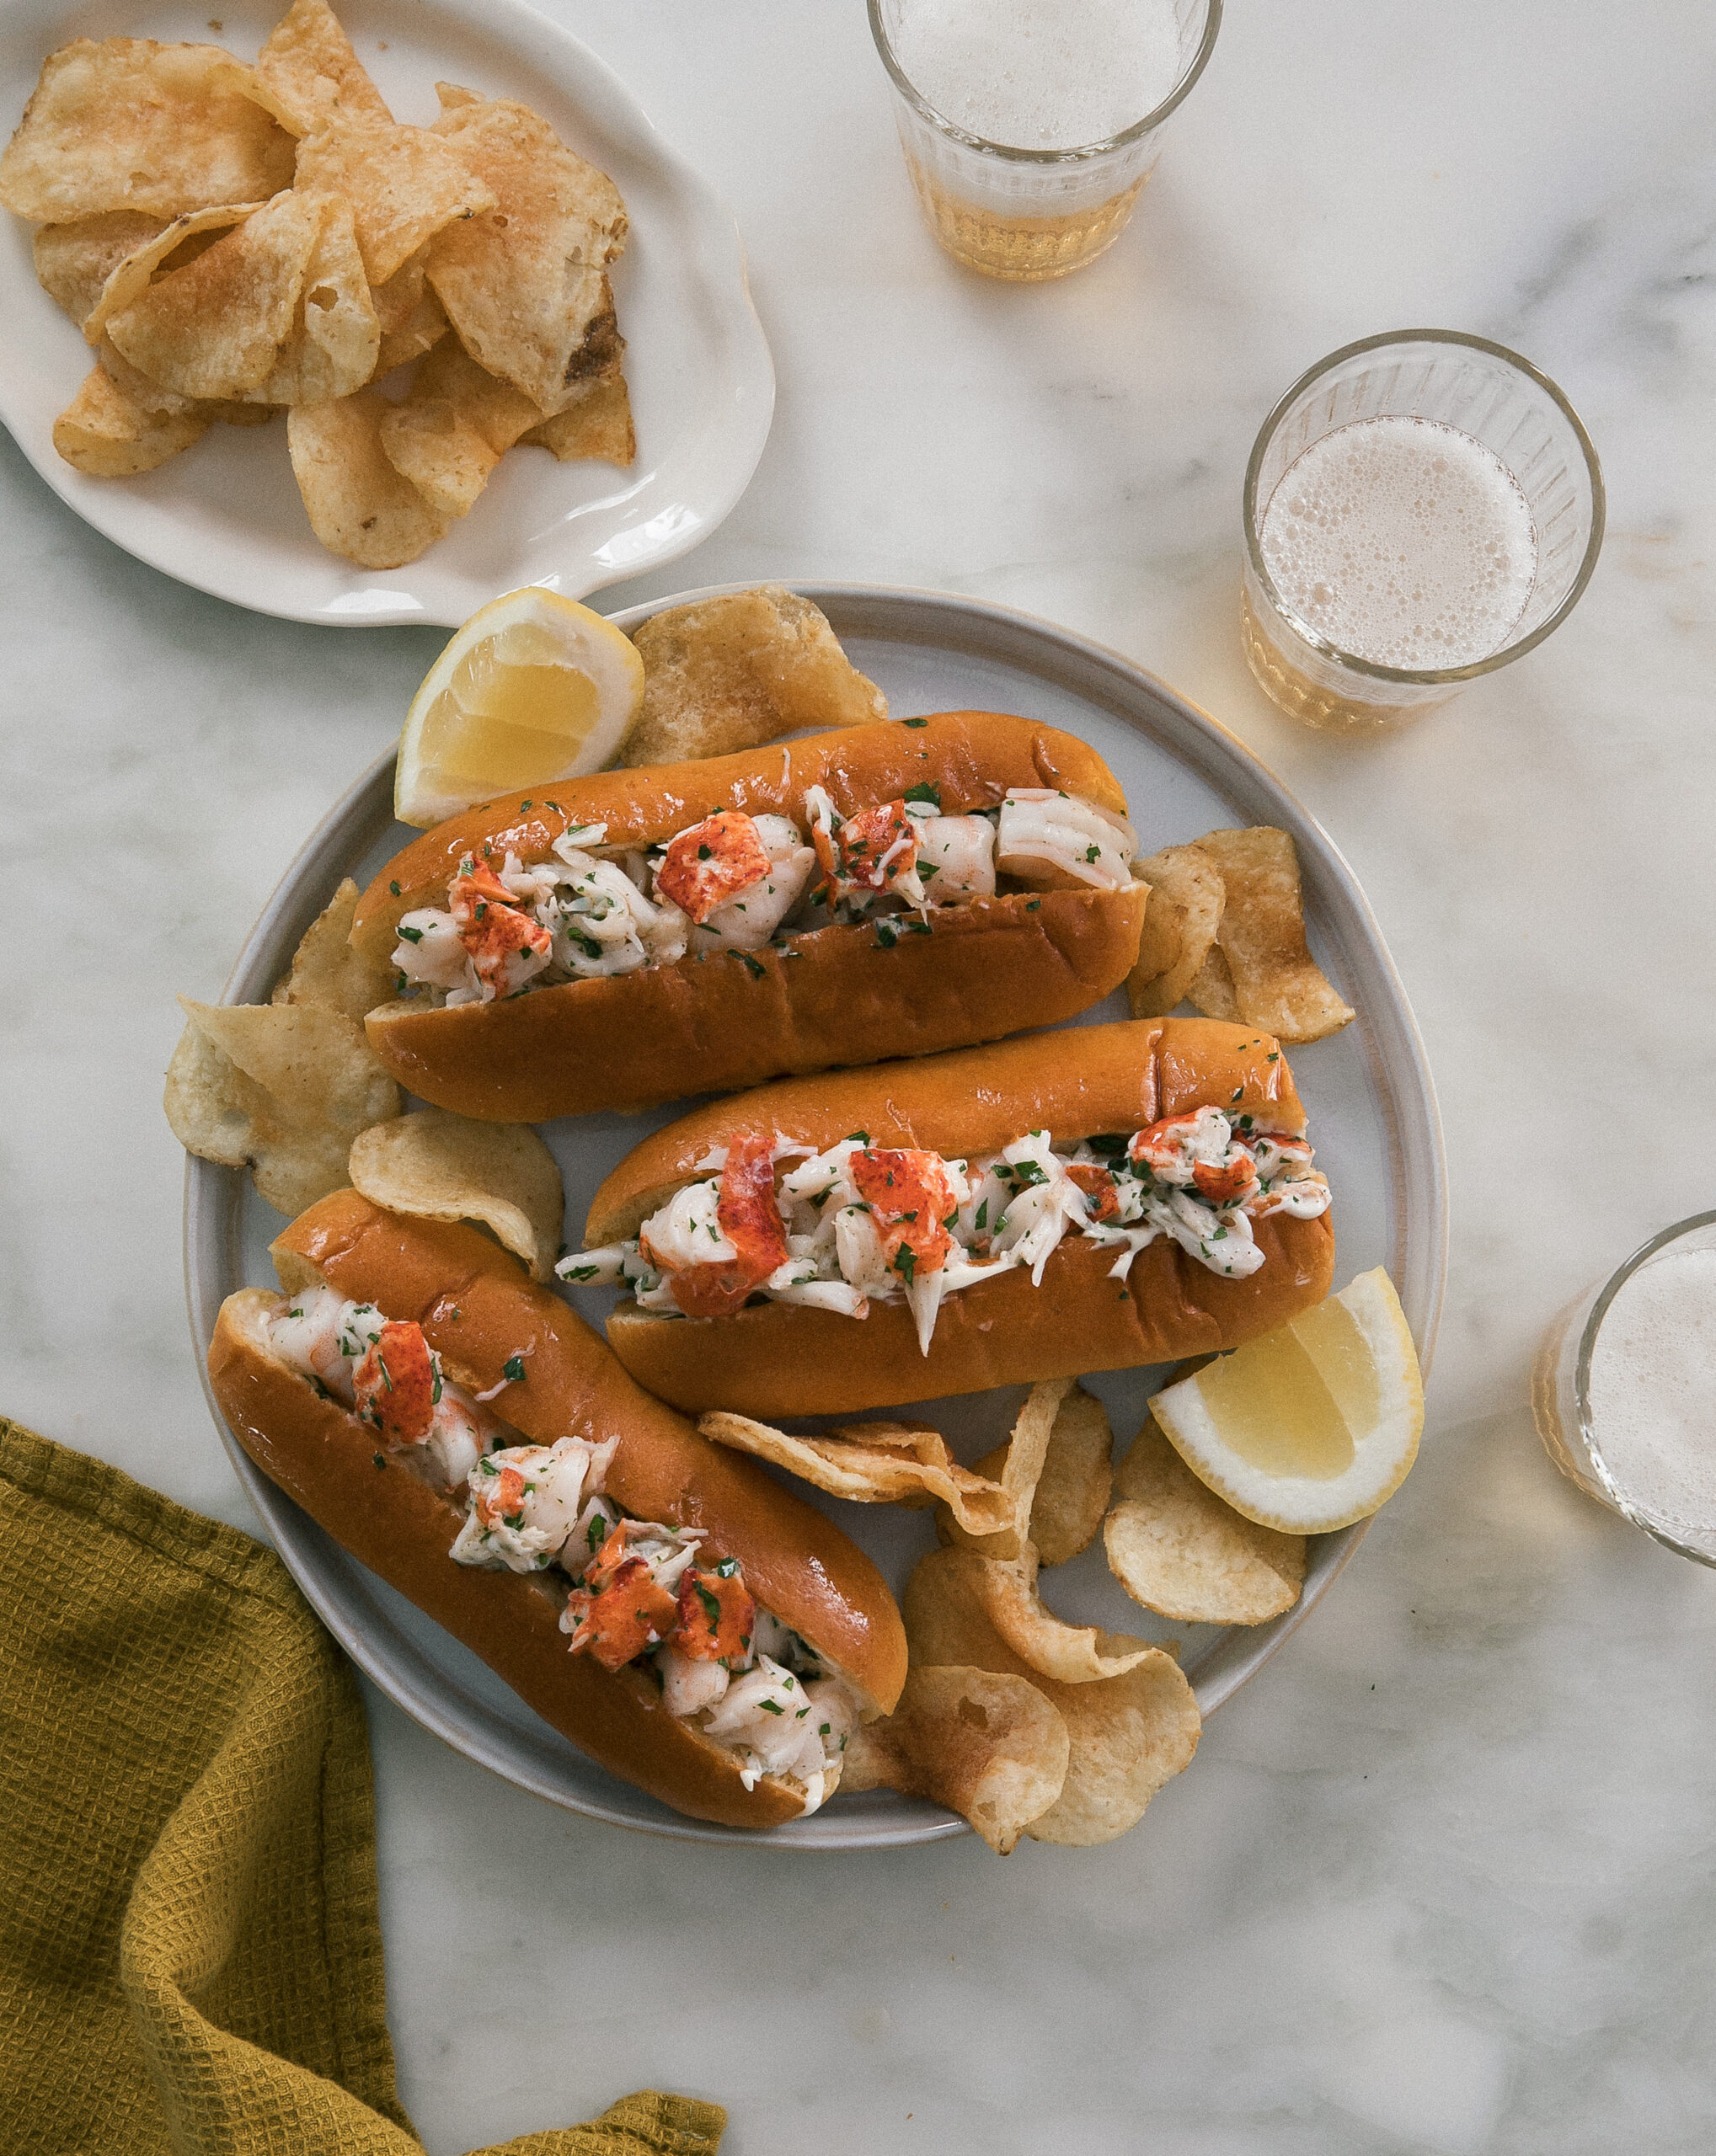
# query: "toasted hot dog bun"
[[478, 1308], [777, 1359], [719, 1021]]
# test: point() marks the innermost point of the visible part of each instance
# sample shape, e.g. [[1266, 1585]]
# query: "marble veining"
[[1439, 1881]]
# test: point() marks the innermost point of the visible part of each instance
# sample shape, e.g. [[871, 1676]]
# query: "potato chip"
[[413, 319], [128, 124], [1186, 897], [455, 425], [1072, 1490], [1127, 1740], [1178, 1549], [1128, 1735], [308, 76], [525, 285], [327, 967], [130, 277], [596, 427], [1016, 1465], [404, 184], [990, 1748], [1211, 990], [336, 337], [102, 432], [73, 261], [737, 671], [217, 328], [1005, 1589], [281, 1089], [149, 396], [441, 1166], [870, 1464], [1277, 984], [358, 505]]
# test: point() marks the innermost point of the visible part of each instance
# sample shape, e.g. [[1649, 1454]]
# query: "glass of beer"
[[1420, 508], [1623, 1392], [1030, 126]]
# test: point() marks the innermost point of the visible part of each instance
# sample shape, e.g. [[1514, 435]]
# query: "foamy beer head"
[[1029, 126], [1622, 1387], [1419, 509], [1403, 541], [1041, 74]]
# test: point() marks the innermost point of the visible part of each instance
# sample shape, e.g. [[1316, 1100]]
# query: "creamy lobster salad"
[[637, 1591], [858, 1223], [735, 884]]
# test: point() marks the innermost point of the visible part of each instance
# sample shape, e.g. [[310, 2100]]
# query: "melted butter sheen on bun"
[[717, 1023], [780, 1359], [479, 1309]]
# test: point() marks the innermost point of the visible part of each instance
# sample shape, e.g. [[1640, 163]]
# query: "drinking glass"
[[1482, 390], [1029, 214], [1574, 1435]]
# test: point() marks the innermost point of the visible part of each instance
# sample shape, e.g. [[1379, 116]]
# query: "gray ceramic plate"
[[1373, 1118]]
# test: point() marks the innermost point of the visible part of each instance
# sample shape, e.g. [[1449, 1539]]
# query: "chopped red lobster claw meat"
[[717, 1615], [396, 1383], [711, 863], [629, 1613]]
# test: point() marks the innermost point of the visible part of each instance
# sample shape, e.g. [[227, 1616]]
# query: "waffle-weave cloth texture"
[[190, 1951]]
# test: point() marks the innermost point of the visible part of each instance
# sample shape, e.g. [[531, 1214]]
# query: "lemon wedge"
[[534, 688], [1314, 1425]]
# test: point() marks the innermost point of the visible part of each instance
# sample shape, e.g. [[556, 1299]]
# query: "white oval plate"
[[225, 517], [1373, 1118]]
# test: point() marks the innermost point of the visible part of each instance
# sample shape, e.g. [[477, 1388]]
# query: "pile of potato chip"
[[236, 239], [292, 1090], [1022, 1723], [1225, 929]]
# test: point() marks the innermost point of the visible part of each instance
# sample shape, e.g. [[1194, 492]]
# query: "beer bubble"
[[1403, 541]]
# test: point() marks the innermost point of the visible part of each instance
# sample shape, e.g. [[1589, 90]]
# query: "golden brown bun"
[[1076, 1084], [779, 1359], [719, 1021], [478, 1308], [718, 1024], [324, 1460], [973, 757]]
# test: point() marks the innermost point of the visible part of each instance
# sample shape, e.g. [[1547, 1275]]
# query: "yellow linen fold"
[[191, 1954]]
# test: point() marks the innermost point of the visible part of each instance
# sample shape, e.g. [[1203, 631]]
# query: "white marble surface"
[[1439, 1880]]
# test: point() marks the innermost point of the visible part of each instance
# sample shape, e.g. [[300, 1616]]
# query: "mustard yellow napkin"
[[190, 1960]]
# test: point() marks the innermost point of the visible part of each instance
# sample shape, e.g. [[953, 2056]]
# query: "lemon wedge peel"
[[1351, 1417], [533, 691]]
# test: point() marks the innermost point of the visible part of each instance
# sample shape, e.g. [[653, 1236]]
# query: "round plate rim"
[[212, 1193]]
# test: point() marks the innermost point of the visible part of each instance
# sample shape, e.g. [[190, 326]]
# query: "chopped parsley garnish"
[[887, 936], [1034, 905], [512, 1370], [771, 1706], [925, 790], [914, 722], [583, 1273], [376, 1460], [411, 935], [754, 967], [394, 889]]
